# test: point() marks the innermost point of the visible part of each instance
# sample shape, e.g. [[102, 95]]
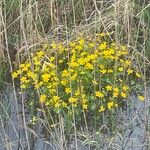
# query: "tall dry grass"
[[25, 24]]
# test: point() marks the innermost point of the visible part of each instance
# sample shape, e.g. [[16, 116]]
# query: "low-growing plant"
[[88, 76]]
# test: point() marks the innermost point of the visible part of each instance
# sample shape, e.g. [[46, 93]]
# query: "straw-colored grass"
[[26, 24]]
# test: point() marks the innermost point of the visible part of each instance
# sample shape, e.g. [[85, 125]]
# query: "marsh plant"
[[89, 77]]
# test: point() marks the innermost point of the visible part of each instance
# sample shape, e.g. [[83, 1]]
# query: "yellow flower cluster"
[[80, 74]]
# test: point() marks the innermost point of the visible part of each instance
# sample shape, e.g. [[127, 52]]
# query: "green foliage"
[[89, 75]]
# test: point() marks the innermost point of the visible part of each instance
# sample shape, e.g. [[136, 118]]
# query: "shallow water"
[[14, 137]]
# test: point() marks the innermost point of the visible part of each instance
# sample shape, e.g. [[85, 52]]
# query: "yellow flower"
[[77, 93], [115, 94], [103, 45], [91, 57], [125, 52], [73, 64], [40, 54], [42, 98], [89, 66], [53, 45], [123, 94], [110, 104], [84, 106], [102, 109], [138, 75], [14, 74], [64, 82], [74, 76], [65, 73], [99, 94], [24, 79], [108, 87], [60, 49], [125, 88], [22, 66], [120, 69], [116, 89], [81, 41], [25, 68], [31, 74], [68, 90], [127, 62], [103, 71], [79, 47], [101, 66], [73, 57], [45, 77], [72, 44], [108, 53], [142, 98], [51, 66], [110, 71], [56, 98], [28, 65], [129, 71], [81, 61], [52, 58], [36, 61], [19, 72], [57, 104], [72, 100]]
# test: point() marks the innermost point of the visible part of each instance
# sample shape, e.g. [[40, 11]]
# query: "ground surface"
[[132, 123]]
